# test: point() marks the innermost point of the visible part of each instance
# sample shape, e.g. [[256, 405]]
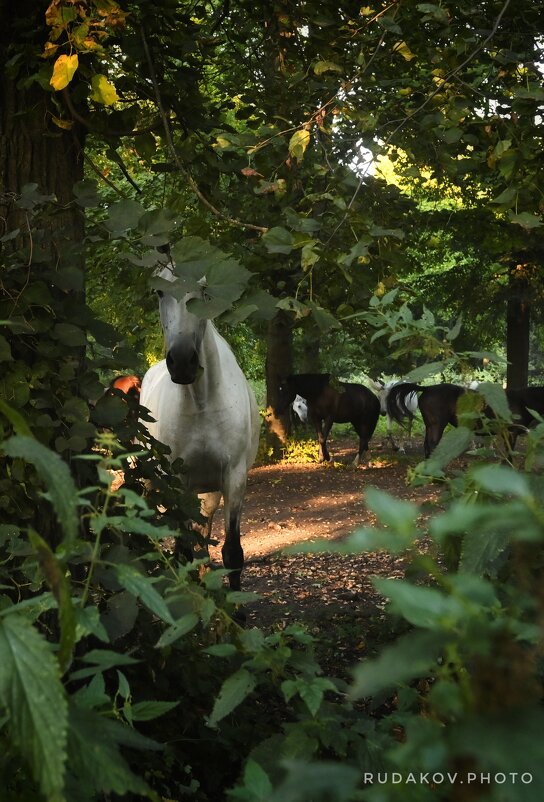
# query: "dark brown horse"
[[355, 404], [438, 406]]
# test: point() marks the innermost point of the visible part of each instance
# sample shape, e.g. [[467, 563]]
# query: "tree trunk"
[[43, 282], [518, 320], [311, 356], [33, 150], [279, 363]]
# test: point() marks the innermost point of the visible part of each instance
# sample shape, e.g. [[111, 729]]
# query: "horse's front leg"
[[232, 552], [322, 434]]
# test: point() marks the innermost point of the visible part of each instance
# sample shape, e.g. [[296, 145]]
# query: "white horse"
[[382, 390], [300, 408], [205, 411]]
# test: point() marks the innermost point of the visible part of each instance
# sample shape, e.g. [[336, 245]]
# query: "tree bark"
[[279, 363], [518, 321], [311, 353], [33, 150]]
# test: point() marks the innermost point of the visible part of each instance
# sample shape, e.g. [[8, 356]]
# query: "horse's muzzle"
[[183, 366]]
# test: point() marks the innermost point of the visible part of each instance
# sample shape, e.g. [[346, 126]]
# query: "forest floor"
[[288, 504]]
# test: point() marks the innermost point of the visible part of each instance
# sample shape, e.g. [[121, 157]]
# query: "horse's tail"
[[398, 399]]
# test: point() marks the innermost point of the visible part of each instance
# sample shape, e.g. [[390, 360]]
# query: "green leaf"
[[413, 655], [310, 691], [178, 629], [452, 135], [147, 711], [69, 334], [506, 741], [278, 240], [221, 650], [124, 215], [233, 691], [507, 197], [242, 597], [360, 249], [55, 573], [430, 369], [308, 255], [526, 220], [86, 194], [256, 779], [102, 660], [454, 332], [496, 398], [5, 350], [92, 695], [95, 758], [394, 512], [16, 419], [141, 587], [502, 480], [453, 443], [318, 782], [325, 321], [55, 475], [33, 695], [421, 606]]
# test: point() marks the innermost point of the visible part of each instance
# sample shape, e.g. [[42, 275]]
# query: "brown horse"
[[326, 405], [438, 406]]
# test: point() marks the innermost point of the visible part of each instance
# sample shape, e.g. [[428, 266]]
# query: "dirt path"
[[288, 504]]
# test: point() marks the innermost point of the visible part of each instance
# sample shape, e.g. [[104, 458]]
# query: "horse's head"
[[183, 332], [286, 395], [300, 407]]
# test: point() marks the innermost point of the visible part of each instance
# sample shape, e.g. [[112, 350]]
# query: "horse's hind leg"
[[389, 435], [209, 502], [364, 437], [433, 435]]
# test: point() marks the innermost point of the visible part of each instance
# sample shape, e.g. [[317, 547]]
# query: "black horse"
[[438, 406], [521, 402], [355, 404]]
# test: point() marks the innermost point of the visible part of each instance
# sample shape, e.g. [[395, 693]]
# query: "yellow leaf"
[[49, 50], [222, 142], [298, 144], [63, 71], [326, 66], [103, 92], [65, 124], [404, 50]]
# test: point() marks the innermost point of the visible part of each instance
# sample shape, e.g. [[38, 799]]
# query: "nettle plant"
[[122, 667], [452, 707]]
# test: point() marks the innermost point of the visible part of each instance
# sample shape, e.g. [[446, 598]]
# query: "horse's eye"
[[160, 293]]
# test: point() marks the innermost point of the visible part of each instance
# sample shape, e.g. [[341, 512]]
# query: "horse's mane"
[[308, 385]]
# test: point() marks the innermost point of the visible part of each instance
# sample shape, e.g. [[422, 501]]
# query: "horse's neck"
[[209, 385]]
